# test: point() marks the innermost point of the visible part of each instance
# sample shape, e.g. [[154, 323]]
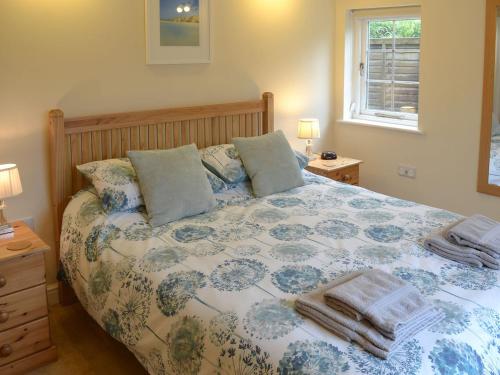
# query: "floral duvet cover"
[[214, 294]]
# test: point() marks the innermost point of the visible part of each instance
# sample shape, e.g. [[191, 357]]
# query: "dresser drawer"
[[24, 340], [29, 363], [22, 307], [21, 273]]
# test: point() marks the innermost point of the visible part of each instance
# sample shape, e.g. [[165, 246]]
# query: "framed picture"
[[178, 32]]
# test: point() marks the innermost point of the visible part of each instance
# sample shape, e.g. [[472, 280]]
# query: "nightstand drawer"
[[349, 175], [22, 341], [21, 273], [23, 307]]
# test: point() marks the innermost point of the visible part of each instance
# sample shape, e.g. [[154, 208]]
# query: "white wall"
[[87, 57], [446, 156]]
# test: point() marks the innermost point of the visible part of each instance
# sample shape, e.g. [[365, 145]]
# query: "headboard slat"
[[208, 132], [229, 129], [85, 139], [222, 130], [76, 159], [236, 126], [160, 136], [125, 140], [242, 125], [106, 144], [143, 137], [185, 132], [116, 143]]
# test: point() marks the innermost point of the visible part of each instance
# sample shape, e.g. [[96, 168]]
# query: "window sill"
[[375, 124]]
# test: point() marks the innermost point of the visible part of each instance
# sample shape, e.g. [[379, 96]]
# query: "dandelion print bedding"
[[214, 294]]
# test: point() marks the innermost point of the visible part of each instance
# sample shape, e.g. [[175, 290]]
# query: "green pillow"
[[270, 162], [173, 182]]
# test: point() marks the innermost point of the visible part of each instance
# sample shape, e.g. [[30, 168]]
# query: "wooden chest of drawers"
[[343, 169], [25, 341]]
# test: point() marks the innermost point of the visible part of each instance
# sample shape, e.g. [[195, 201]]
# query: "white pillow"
[[116, 183]]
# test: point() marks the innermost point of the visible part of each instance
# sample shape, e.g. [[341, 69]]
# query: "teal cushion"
[[270, 163], [174, 183]]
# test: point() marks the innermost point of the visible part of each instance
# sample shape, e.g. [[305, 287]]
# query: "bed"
[[213, 294]]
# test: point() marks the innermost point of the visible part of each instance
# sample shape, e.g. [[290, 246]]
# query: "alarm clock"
[[328, 155]]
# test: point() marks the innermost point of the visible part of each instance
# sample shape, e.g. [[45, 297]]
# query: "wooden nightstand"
[[343, 169], [25, 341]]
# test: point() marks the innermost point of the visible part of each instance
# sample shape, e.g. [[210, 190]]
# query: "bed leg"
[[66, 294]]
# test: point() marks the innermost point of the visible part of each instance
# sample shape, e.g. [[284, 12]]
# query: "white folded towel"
[[312, 305], [478, 232]]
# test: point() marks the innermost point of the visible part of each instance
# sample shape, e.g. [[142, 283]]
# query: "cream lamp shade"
[[10, 183], [10, 186], [308, 129]]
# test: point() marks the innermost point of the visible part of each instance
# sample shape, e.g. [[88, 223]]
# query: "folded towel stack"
[[474, 241], [372, 308]]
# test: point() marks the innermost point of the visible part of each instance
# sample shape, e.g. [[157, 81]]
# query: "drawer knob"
[[5, 350], [4, 316], [346, 177], [3, 281]]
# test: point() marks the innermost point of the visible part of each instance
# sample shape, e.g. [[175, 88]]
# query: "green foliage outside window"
[[401, 28]]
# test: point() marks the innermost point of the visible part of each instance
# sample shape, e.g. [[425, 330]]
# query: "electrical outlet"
[[407, 171]]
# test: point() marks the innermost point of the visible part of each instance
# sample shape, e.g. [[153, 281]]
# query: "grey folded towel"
[[478, 232], [384, 300], [312, 305], [462, 254]]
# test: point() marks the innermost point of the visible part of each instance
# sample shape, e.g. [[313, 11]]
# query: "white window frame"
[[358, 46]]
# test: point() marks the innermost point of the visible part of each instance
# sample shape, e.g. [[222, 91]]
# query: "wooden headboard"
[[81, 140]]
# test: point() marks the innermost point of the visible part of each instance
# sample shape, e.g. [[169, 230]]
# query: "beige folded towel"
[[312, 305], [384, 300]]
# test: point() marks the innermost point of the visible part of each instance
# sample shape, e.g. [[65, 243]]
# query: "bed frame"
[[81, 140]]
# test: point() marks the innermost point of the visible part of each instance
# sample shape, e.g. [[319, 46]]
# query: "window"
[[386, 63]]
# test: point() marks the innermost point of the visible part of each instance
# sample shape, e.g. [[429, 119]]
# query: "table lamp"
[[309, 130], [10, 186]]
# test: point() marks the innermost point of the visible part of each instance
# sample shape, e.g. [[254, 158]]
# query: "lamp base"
[[5, 227], [309, 151]]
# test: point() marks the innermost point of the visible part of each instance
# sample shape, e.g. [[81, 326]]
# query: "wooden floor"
[[84, 348]]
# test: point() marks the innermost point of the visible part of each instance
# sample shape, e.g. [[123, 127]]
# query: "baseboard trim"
[[53, 294]]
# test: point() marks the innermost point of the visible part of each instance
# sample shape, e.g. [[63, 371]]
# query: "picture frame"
[[178, 32]]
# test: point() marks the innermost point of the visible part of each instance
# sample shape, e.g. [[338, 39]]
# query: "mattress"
[[214, 294]]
